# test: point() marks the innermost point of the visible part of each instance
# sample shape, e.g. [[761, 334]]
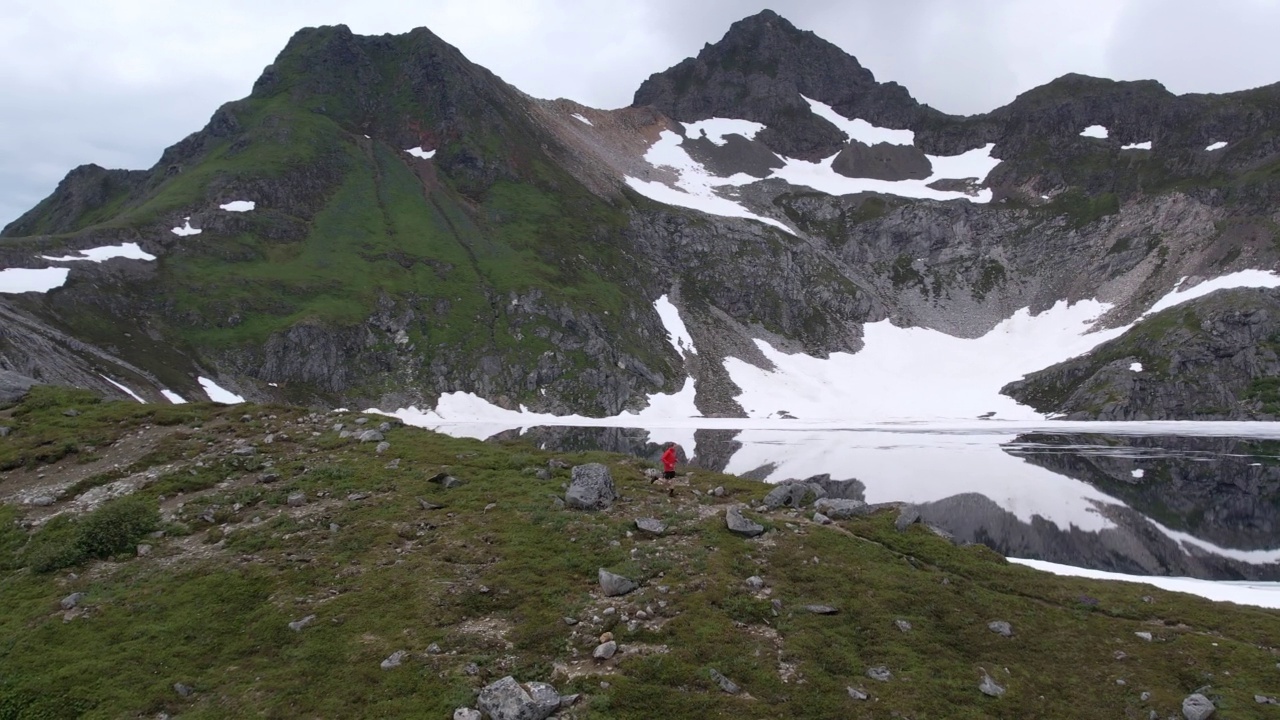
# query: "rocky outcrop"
[[82, 196], [1213, 358]]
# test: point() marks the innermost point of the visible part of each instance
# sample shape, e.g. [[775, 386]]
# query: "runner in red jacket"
[[669, 461]]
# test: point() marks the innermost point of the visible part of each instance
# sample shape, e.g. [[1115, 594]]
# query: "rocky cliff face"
[[511, 257], [1214, 358]]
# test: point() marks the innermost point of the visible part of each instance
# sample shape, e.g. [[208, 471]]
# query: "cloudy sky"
[[114, 83]]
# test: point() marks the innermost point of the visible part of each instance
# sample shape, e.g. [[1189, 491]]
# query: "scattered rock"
[[606, 637], [738, 524], [1197, 707], [268, 478], [394, 660], [1264, 700], [793, 494], [433, 649], [42, 500], [1001, 627], [446, 481], [71, 601], [144, 550], [755, 582], [880, 673], [718, 491], [244, 450], [840, 508], [614, 585], [1144, 635], [570, 621], [820, 609], [903, 625], [652, 526], [393, 464], [467, 714], [857, 693], [384, 427], [725, 683], [1144, 696], [297, 625], [71, 413], [362, 421], [506, 699], [990, 687], [5, 430], [357, 496], [822, 519], [604, 651], [297, 499], [568, 700], [908, 515], [382, 447], [557, 464], [427, 505], [185, 691], [370, 436], [591, 488]]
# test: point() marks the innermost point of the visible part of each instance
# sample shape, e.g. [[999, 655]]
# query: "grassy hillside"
[[474, 583]]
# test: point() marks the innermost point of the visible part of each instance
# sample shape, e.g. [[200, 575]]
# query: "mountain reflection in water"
[[1203, 507]]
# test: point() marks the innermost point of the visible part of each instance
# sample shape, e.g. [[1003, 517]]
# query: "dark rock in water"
[[1198, 707], [839, 509], [725, 683], [880, 672], [507, 699], [737, 523], [652, 526], [882, 161], [990, 687], [613, 585], [591, 488]]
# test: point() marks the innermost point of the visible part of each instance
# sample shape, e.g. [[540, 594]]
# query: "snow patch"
[[1241, 279], [418, 152], [860, 130], [1094, 131], [1145, 145], [21, 280], [126, 390], [579, 117], [820, 176], [677, 333], [716, 128], [186, 229], [1259, 594], [1138, 473], [107, 252], [239, 206], [1136, 367], [173, 397], [1216, 146], [218, 394]]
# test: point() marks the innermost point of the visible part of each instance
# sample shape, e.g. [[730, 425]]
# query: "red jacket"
[[669, 459]]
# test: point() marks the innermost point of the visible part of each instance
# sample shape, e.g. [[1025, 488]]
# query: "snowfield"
[[1095, 131], [107, 252], [21, 280], [216, 393], [186, 230], [418, 152], [239, 206]]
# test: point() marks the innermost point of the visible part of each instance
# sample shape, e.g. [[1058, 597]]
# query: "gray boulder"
[[1198, 707], [183, 690], [990, 687], [856, 693], [467, 714], [371, 436], [14, 387], [297, 625], [5, 430], [507, 699], [736, 523], [604, 651], [591, 488], [1001, 627], [382, 447], [297, 499], [882, 161], [71, 601], [880, 673], [839, 508], [652, 526], [793, 494], [613, 585], [394, 660], [725, 683], [908, 515]]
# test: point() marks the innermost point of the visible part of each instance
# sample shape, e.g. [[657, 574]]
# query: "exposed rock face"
[[1214, 358], [882, 161], [14, 387], [83, 191], [591, 488]]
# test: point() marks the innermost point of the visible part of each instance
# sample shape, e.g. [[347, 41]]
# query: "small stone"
[[428, 505], [822, 519], [1264, 700], [394, 660], [393, 464], [820, 609], [1144, 696], [333, 527], [606, 637], [183, 690], [990, 687], [839, 508], [297, 625], [1000, 627], [725, 683], [880, 673], [903, 625], [570, 621], [613, 585], [737, 523], [268, 478], [433, 649], [718, 491], [382, 447], [71, 601], [1197, 707], [357, 496], [269, 439], [384, 427], [604, 651], [71, 413], [609, 611], [42, 500], [297, 499], [370, 436], [568, 700], [755, 582], [244, 450], [467, 714], [653, 526], [642, 615], [144, 550], [5, 430], [337, 427], [857, 693], [344, 434], [362, 421], [1144, 635], [471, 669]]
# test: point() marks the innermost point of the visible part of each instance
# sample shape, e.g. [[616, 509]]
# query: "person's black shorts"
[[668, 474]]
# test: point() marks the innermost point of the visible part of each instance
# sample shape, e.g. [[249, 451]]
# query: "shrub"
[[116, 526]]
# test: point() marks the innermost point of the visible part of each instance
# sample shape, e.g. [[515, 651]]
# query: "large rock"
[[882, 161], [1197, 707], [793, 493], [736, 523], [14, 387], [613, 585], [507, 699], [840, 509], [591, 488]]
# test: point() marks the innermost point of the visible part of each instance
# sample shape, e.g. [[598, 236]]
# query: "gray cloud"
[[115, 83]]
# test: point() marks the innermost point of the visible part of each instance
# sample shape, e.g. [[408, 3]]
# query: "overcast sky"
[[115, 82]]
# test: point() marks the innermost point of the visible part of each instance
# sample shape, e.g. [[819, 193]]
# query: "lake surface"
[[1199, 506]]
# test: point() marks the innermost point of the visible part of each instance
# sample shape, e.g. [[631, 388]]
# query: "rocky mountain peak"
[[760, 69]]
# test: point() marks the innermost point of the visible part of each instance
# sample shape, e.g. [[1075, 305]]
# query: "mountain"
[[420, 228]]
